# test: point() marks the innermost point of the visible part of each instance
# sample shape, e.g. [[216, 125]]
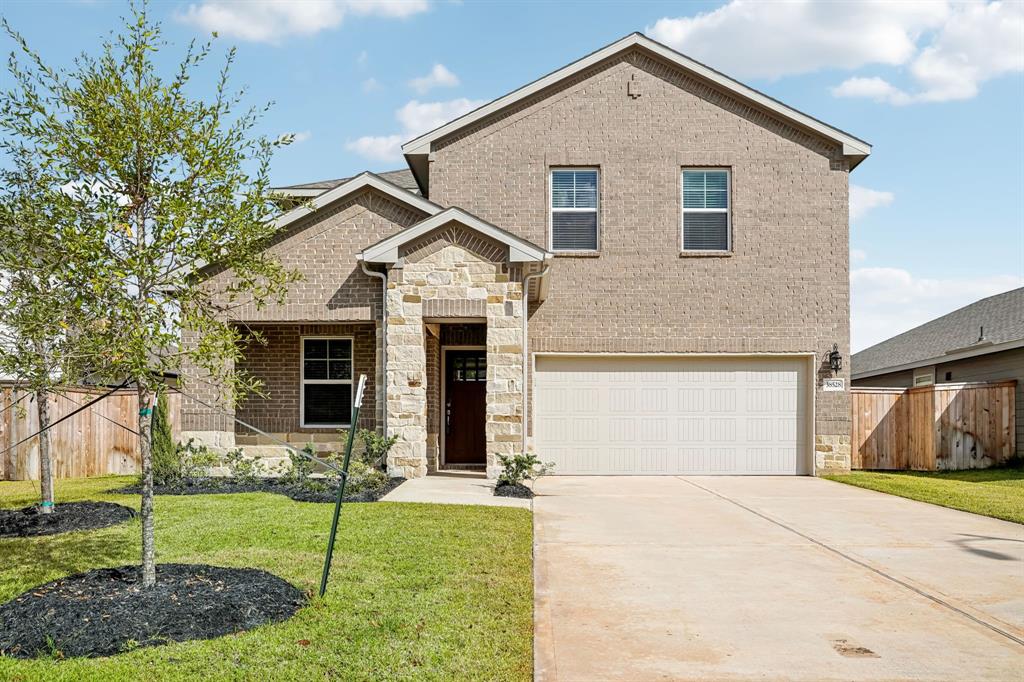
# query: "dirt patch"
[[845, 648], [509, 490], [105, 611], [29, 522], [314, 490]]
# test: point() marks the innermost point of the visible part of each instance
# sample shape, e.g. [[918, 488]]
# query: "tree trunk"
[[146, 512], [45, 468]]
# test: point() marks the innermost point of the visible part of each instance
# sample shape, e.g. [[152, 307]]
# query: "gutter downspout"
[[384, 340], [526, 345]]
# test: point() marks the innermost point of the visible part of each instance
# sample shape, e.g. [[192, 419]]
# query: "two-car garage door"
[[672, 415]]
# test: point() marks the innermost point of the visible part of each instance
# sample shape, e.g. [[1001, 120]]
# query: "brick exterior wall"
[[276, 363], [785, 286], [333, 288]]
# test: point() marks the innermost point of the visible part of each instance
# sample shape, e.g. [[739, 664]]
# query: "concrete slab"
[[454, 488], [768, 578]]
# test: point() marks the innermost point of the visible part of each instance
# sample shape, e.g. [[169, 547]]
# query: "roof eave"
[[855, 149]]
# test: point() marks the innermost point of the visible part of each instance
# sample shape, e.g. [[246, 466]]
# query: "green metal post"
[[356, 404]]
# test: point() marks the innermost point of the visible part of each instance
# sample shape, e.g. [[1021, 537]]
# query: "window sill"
[[705, 254], [577, 254]]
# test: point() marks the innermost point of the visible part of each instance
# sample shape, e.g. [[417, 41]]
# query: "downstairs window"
[[326, 398]]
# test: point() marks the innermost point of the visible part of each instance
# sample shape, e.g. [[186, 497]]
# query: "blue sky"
[[937, 215]]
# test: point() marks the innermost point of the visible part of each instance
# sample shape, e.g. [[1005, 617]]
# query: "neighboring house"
[[633, 265], [983, 341]]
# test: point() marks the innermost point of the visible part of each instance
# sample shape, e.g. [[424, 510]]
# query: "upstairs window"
[[574, 209], [706, 210], [326, 382]]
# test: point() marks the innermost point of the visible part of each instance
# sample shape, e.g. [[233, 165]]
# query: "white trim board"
[[361, 181], [519, 250], [853, 147]]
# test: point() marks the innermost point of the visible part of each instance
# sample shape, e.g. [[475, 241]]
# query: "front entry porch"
[[455, 307]]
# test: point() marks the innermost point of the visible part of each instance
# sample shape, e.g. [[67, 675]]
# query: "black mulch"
[[509, 490], [316, 490], [105, 611], [29, 522]]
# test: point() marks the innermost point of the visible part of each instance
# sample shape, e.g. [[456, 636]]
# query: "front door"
[[465, 407]]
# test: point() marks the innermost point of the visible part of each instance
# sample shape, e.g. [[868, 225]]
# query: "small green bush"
[[245, 470], [375, 448], [188, 461], [521, 467], [164, 452], [363, 477]]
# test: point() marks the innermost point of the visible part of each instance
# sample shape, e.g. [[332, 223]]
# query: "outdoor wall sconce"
[[835, 359]]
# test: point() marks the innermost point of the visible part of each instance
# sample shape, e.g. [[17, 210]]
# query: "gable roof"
[[855, 149], [950, 337], [359, 182], [402, 178], [519, 250]]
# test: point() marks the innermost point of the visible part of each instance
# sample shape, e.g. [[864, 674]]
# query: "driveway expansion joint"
[[863, 564]]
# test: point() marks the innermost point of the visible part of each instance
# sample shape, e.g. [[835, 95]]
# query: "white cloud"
[[754, 39], [363, 57], [863, 200], [301, 137], [949, 47], [889, 301], [858, 255], [439, 77], [378, 148], [874, 88], [416, 118], [979, 42], [371, 85], [270, 21]]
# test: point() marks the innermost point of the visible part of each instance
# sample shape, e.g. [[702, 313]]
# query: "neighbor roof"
[[949, 337], [401, 178], [357, 183], [854, 148]]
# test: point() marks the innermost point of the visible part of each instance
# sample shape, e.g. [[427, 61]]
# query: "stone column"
[[504, 371], [406, 400]]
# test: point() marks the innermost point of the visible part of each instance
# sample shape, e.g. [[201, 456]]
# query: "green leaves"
[[126, 190]]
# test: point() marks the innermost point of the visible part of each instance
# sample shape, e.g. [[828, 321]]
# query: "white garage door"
[[663, 415]]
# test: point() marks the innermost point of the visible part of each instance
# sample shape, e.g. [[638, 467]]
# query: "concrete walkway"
[[703, 578], [452, 488]]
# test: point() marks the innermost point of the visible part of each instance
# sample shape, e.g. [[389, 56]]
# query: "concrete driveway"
[[743, 578]]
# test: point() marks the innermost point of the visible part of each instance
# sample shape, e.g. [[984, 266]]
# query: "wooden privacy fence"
[[90, 443], [933, 428]]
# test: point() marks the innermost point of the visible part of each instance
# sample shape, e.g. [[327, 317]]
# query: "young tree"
[[166, 184], [40, 315]]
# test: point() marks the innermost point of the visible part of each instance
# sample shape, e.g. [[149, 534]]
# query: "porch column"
[[406, 400], [504, 426]]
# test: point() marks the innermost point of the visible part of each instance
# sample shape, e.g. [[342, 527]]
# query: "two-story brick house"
[[633, 265]]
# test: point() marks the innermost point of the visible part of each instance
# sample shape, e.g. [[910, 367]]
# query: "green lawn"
[[992, 492], [417, 591]]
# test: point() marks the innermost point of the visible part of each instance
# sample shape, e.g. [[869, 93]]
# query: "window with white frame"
[[574, 204], [326, 381], [706, 209], [924, 376]]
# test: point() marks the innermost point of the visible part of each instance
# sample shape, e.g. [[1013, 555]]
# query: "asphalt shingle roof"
[[1001, 315], [402, 177]]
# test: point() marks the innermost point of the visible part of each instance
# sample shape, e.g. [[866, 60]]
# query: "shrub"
[[165, 461], [245, 470], [522, 467], [375, 448], [188, 461], [298, 468], [363, 477]]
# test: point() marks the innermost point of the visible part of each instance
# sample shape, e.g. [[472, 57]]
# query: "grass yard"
[[416, 591], [998, 493]]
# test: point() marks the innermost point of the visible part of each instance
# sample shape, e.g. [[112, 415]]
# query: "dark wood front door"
[[465, 407]]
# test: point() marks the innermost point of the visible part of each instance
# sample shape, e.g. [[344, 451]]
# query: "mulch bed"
[[321, 491], [517, 490], [72, 516], [105, 611]]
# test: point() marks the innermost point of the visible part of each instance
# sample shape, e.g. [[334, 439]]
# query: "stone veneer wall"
[[452, 264]]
